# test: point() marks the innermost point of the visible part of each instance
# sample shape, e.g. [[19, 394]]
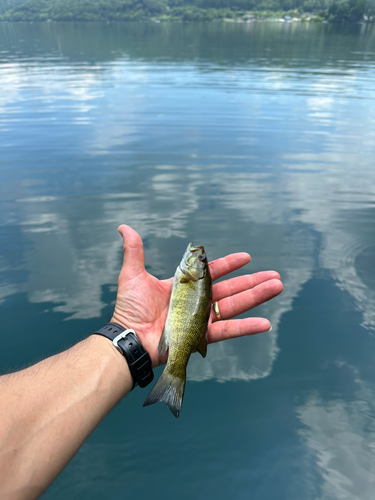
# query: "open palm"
[[142, 300]]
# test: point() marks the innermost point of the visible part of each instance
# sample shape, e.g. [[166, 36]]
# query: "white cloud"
[[341, 436]]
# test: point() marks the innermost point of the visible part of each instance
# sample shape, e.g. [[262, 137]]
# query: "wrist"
[[117, 364], [119, 320], [126, 341]]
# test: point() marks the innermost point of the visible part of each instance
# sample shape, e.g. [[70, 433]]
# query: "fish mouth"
[[194, 249], [194, 262]]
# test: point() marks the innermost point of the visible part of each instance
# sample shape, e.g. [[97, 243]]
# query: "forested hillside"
[[188, 10]]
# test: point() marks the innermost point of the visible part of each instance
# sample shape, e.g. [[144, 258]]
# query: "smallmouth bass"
[[185, 328]]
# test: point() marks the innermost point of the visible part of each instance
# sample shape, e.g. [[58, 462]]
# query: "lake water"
[[241, 137]]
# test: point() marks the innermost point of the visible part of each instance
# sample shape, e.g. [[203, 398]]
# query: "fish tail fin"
[[169, 389]]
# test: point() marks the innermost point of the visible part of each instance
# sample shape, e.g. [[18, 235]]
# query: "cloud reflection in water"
[[166, 165], [341, 436]]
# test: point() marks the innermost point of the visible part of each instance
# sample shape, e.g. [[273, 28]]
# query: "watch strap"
[[126, 341]]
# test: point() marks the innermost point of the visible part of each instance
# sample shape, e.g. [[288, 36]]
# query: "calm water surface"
[[255, 137]]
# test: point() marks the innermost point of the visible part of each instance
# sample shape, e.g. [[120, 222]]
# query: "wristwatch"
[[126, 341]]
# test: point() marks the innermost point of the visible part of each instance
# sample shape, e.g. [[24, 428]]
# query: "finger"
[[134, 261], [224, 330], [228, 264], [241, 283], [241, 302]]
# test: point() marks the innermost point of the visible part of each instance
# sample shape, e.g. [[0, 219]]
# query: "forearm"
[[48, 410]]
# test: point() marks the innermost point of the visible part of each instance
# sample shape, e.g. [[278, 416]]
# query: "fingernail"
[[270, 328]]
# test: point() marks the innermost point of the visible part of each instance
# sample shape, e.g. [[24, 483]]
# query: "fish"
[[185, 329]]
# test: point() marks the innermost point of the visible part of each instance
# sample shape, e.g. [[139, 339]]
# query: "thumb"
[[134, 260]]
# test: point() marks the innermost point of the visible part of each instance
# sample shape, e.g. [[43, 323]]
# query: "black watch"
[[126, 341]]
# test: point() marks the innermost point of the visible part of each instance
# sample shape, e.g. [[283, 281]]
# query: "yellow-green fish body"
[[185, 328]]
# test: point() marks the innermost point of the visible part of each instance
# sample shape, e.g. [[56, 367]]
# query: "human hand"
[[142, 300]]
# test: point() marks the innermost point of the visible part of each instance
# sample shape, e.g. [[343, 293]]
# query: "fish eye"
[[202, 257]]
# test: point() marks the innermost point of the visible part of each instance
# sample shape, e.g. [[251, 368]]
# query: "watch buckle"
[[121, 336]]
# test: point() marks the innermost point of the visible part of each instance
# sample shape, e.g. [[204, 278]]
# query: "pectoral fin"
[[202, 347]]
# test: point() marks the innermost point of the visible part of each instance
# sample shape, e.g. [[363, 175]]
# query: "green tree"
[[347, 11]]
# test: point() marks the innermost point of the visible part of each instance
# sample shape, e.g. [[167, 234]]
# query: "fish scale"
[[185, 328]]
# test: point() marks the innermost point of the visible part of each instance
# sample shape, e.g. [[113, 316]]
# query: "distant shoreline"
[[272, 17], [354, 11]]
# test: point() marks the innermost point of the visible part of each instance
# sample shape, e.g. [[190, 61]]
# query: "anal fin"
[[163, 342], [202, 347]]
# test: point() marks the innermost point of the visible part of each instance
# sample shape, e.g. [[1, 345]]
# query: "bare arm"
[[49, 410]]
